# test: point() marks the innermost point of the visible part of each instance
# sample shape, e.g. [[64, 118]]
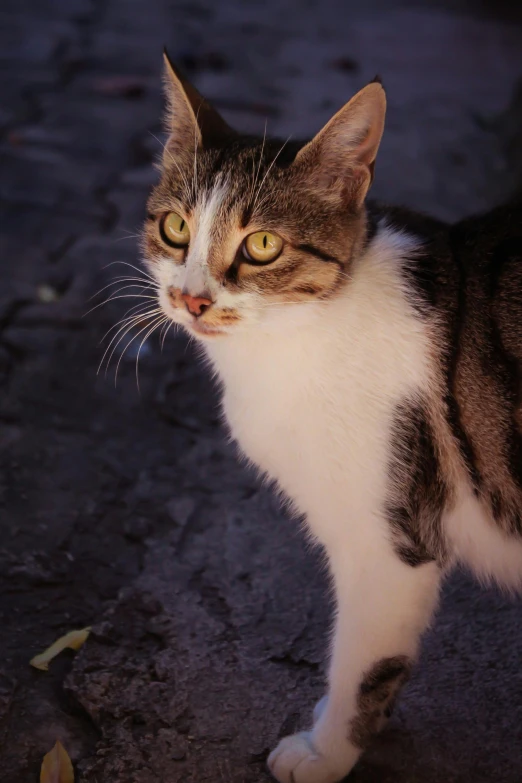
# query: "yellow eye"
[[174, 230], [262, 247]]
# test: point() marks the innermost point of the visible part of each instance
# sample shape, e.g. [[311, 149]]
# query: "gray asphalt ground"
[[127, 510]]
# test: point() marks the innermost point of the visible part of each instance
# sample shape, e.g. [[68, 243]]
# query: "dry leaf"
[[57, 766], [73, 640]]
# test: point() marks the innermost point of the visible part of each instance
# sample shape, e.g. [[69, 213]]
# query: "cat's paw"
[[320, 708], [297, 760]]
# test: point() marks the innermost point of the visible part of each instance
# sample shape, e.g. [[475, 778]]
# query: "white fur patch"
[[197, 278], [479, 544], [312, 403]]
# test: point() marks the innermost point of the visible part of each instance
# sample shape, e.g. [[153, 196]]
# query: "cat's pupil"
[[264, 241], [182, 225]]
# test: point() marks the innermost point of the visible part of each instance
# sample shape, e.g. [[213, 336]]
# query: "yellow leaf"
[[73, 640], [57, 766]]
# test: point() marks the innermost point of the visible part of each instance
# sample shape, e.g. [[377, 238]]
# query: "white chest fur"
[[311, 403]]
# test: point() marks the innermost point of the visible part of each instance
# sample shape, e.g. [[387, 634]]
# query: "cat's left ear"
[[342, 155], [191, 121]]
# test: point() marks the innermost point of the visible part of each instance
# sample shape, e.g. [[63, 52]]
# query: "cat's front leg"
[[383, 606]]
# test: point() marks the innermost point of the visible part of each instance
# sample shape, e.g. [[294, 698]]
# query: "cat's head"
[[241, 232]]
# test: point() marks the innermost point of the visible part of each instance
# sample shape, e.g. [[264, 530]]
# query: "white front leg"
[[383, 606]]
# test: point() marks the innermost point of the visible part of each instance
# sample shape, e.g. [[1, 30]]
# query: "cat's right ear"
[[191, 121]]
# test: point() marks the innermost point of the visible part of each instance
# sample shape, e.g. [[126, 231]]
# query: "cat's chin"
[[197, 328], [201, 330]]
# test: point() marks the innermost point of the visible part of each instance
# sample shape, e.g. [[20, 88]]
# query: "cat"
[[371, 364]]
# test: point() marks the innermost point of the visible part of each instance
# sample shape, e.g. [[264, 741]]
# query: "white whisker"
[[127, 317], [195, 174], [156, 321], [129, 236], [174, 161], [142, 283], [136, 268], [148, 291], [165, 333], [153, 329], [165, 327], [127, 326], [120, 296], [254, 183], [269, 170]]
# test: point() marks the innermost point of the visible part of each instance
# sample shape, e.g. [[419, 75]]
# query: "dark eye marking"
[[231, 275], [314, 251], [150, 216], [311, 290], [246, 216]]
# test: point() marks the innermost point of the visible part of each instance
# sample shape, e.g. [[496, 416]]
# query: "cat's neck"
[[369, 302]]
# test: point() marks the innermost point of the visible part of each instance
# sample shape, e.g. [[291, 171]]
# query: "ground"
[[127, 510]]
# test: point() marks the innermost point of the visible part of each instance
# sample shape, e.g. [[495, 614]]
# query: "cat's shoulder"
[[491, 238], [425, 267], [483, 250]]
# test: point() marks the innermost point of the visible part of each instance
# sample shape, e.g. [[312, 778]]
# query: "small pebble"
[[47, 294]]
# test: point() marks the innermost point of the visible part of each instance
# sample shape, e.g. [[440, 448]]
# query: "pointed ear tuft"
[[191, 121], [342, 155]]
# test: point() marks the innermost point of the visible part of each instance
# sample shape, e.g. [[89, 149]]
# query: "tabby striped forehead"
[[250, 170]]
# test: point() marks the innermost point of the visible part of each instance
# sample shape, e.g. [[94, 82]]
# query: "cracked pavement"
[[129, 511]]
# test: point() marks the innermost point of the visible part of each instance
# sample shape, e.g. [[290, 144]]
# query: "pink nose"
[[196, 304]]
